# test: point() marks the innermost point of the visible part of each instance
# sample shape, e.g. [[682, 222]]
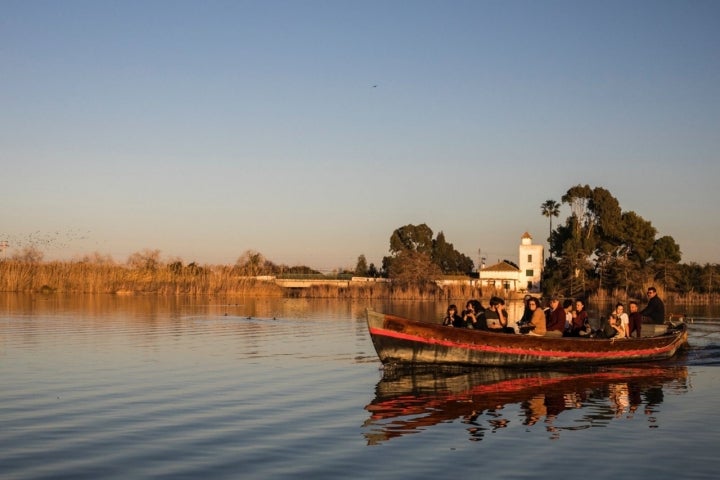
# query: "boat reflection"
[[411, 401]]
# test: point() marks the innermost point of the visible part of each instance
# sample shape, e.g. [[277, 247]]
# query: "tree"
[[146, 260], [416, 238], [361, 269], [549, 209], [251, 263], [411, 266], [448, 259], [419, 239], [638, 238], [666, 250], [600, 246], [666, 255], [372, 271]]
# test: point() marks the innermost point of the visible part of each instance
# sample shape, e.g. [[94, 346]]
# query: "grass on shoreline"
[[84, 277], [106, 278]]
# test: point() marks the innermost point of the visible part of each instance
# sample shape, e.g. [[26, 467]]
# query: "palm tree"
[[550, 208]]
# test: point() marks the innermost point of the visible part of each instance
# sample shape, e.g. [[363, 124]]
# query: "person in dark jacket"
[[655, 308], [635, 319], [452, 319], [472, 314]]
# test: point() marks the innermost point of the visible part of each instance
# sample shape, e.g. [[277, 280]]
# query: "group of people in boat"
[[493, 318], [558, 319]]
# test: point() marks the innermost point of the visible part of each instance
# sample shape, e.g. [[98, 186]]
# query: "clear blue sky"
[[310, 130]]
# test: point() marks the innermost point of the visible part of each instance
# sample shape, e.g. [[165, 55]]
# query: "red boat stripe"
[[519, 351]]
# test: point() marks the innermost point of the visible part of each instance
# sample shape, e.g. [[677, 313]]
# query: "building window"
[[529, 273], [529, 257], [530, 285], [506, 285]]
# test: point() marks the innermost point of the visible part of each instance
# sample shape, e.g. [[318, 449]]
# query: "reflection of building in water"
[[535, 409], [620, 395]]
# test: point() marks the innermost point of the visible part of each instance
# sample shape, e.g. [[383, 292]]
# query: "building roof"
[[526, 235], [501, 267]]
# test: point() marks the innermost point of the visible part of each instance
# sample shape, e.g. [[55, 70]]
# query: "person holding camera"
[[473, 313], [496, 317]]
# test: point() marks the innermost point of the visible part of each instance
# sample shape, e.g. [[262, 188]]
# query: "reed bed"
[[108, 278]]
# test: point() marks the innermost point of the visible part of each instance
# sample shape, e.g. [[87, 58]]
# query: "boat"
[[410, 400], [402, 341]]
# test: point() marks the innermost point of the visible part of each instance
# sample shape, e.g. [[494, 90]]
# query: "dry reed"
[[107, 278]]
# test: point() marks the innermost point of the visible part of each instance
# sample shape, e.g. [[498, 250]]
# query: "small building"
[[501, 276], [525, 278]]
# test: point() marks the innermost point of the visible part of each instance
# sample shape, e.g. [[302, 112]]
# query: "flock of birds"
[[43, 240]]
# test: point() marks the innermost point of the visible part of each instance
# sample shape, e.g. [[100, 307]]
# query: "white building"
[[526, 278]]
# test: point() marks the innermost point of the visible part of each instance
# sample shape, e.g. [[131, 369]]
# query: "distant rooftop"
[[501, 267]]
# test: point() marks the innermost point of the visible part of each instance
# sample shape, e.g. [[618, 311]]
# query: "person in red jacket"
[[635, 319], [580, 321], [556, 323]]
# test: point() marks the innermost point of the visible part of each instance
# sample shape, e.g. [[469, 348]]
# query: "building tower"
[[532, 259]]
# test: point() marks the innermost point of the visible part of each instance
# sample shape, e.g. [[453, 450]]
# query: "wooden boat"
[[402, 341]]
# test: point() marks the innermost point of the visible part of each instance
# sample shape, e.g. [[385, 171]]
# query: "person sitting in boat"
[[609, 327], [655, 308], [556, 324], [471, 314], [567, 308], [616, 329], [496, 317], [452, 319], [635, 319], [537, 324], [527, 313], [580, 322], [624, 320]]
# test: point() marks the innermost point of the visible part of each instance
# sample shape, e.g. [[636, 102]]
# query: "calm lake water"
[[127, 387]]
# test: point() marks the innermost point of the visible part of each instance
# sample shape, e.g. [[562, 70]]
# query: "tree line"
[[599, 247]]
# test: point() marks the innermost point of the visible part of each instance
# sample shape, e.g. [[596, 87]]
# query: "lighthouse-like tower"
[[532, 259]]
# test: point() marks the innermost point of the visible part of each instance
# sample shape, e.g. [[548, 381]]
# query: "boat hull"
[[399, 340]]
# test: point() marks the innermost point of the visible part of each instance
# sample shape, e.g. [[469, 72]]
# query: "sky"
[[310, 130]]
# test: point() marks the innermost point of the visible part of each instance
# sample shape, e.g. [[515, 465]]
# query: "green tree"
[[600, 246], [418, 239], [361, 268], [448, 259], [373, 271], [410, 266], [666, 255], [638, 238]]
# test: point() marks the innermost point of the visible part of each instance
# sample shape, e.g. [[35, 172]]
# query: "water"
[[126, 387]]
